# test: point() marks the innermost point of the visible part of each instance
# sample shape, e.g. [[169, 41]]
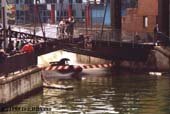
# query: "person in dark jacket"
[[3, 56], [156, 30], [71, 26], [10, 47]]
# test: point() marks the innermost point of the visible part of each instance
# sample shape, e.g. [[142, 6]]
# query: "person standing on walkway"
[[62, 28], [67, 28], [156, 30], [10, 48], [71, 26]]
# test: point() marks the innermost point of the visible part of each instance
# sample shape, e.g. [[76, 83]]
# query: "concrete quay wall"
[[158, 60], [161, 58], [12, 87]]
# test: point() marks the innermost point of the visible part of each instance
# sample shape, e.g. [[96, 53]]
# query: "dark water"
[[112, 93]]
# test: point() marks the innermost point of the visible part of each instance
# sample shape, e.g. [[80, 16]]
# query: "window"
[[17, 1], [156, 19], [58, 13], [60, 1], [65, 13], [78, 1], [145, 22], [10, 2], [83, 13]]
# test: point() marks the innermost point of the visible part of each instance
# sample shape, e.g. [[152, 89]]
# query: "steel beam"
[[115, 10], [115, 14]]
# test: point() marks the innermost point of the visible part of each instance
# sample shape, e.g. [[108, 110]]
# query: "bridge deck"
[[114, 51], [103, 49]]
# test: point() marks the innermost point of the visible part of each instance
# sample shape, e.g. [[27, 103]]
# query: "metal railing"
[[17, 62], [121, 36]]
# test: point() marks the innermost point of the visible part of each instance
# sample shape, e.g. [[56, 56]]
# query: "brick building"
[[141, 19]]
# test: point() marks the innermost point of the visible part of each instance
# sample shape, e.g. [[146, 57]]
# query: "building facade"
[[50, 11], [64, 9], [19, 11], [24, 12], [140, 19]]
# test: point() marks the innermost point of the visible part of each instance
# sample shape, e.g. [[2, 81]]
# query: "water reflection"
[[122, 93]]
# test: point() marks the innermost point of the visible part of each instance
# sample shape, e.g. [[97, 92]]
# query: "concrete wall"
[[158, 60], [16, 85], [74, 58], [90, 60]]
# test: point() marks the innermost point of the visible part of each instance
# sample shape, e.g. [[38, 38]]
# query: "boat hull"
[[58, 75], [66, 72]]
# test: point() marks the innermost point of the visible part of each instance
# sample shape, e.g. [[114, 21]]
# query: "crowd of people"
[[13, 47], [65, 28]]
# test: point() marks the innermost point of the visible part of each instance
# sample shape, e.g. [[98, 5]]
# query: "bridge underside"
[[112, 50]]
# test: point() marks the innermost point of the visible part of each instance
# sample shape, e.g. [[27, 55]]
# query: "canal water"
[[112, 93], [104, 92]]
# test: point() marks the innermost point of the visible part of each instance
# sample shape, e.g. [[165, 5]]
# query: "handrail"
[[18, 62], [163, 39]]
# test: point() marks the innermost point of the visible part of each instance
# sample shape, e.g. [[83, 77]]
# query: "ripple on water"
[[139, 94]]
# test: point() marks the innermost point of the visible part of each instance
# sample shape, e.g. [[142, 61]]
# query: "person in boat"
[[62, 62]]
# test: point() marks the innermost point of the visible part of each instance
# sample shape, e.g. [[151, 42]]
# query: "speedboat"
[[62, 70]]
